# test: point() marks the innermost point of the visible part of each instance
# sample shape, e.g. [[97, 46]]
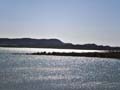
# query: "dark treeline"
[[50, 43], [92, 54]]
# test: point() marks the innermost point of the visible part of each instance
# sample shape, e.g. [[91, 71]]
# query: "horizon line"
[[59, 40]]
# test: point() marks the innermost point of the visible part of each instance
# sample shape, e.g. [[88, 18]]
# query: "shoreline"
[[115, 55]]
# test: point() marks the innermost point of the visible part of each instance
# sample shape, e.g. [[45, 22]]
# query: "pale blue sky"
[[76, 21]]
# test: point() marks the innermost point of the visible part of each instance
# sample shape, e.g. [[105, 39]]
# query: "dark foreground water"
[[28, 72]]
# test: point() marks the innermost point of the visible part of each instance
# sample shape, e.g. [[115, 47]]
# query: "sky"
[[75, 21]]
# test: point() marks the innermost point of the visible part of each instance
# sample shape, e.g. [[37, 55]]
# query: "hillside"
[[50, 43]]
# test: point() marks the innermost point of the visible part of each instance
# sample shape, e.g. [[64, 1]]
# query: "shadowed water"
[[29, 72]]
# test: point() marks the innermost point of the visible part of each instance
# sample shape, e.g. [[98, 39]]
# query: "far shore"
[[84, 54]]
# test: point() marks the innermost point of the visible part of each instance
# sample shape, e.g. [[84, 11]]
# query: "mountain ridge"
[[50, 43]]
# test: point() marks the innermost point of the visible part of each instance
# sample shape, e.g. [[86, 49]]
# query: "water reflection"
[[29, 72]]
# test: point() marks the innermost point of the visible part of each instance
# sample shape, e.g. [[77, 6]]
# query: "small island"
[[86, 54]]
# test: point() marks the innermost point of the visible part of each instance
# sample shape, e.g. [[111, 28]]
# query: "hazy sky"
[[76, 21]]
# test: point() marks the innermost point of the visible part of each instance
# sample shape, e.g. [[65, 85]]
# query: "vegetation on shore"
[[88, 54]]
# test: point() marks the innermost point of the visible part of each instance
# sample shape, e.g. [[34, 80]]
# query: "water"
[[32, 50], [32, 72]]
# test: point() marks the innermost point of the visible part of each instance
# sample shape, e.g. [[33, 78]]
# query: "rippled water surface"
[[32, 72]]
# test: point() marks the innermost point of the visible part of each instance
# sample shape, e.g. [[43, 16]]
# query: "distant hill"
[[50, 43]]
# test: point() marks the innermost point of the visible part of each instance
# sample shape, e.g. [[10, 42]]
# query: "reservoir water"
[[34, 72]]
